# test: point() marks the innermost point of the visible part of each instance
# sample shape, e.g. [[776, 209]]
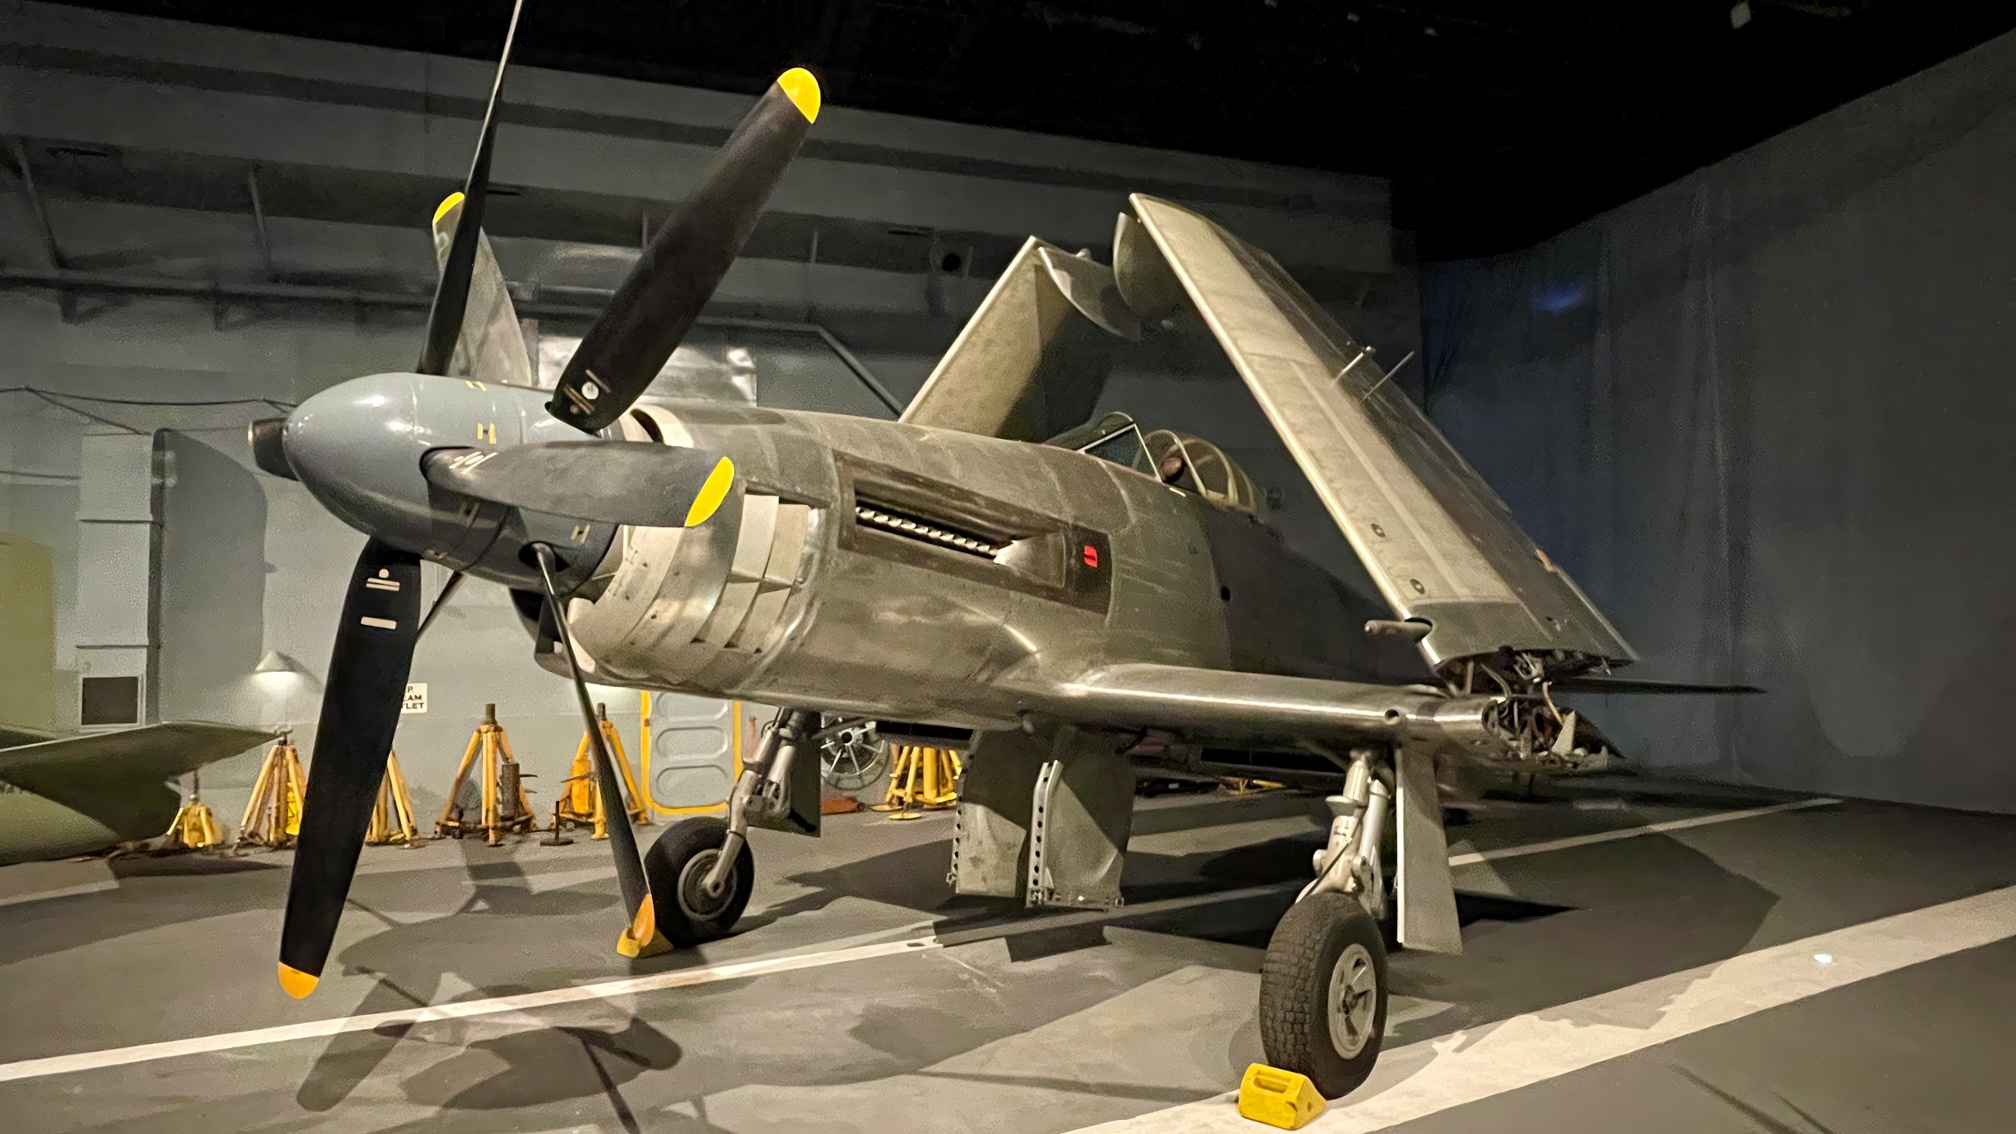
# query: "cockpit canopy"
[[1204, 469], [1182, 459]]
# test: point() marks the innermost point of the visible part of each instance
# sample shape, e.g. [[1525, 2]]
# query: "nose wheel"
[[1323, 993], [677, 866]]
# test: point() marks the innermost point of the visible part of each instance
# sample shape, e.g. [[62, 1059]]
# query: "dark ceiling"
[[1499, 122]]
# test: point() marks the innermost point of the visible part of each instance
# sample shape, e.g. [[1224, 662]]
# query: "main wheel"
[[1323, 993], [675, 866], [853, 758]]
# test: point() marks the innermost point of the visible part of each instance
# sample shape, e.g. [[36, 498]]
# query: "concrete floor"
[[905, 1009]]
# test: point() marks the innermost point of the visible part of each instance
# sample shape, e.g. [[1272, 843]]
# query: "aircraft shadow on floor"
[[1655, 906], [411, 962], [1574, 924], [58, 924]]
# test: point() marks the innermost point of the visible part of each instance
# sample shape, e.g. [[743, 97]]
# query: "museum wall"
[[122, 428], [1764, 415]]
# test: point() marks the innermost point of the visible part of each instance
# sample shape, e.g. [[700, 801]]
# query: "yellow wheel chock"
[[1278, 1098]]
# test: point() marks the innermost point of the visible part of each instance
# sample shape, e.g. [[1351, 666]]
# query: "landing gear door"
[[1424, 892], [1083, 815], [1044, 818]]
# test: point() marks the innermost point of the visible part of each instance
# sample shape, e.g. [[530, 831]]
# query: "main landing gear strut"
[[701, 869], [1323, 986]]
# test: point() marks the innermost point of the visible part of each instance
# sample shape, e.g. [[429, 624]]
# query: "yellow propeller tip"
[[447, 203], [641, 937], [712, 493], [804, 91], [297, 983], [645, 925]]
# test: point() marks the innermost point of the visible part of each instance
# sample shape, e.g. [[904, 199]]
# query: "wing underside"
[[1436, 540], [117, 778]]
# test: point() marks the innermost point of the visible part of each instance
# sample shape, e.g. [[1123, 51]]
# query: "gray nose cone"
[[357, 447], [352, 447]]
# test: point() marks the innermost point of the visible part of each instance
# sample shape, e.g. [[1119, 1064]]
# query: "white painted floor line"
[[1633, 832], [461, 1010], [66, 892], [1436, 1074], [836, 953]]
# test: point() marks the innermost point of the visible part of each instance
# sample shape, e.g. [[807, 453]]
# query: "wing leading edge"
[[1232, 706], [1436, 540]]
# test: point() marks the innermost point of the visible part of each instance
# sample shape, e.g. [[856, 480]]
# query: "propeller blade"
[[360, 711], [617, 482], [643, 928], [492, 345], [451, 292], [679, 270], [448, 589]]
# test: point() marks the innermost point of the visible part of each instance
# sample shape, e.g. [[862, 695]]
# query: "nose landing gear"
[[701, 869], [679, 864]]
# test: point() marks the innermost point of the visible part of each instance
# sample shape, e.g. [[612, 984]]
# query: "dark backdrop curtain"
[[1767, 417]]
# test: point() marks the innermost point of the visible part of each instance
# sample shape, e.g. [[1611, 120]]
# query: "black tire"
[[1296, 992], [674, 866]]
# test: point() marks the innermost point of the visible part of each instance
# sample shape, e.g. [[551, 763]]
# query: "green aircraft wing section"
[[119, 778], [12, 736]]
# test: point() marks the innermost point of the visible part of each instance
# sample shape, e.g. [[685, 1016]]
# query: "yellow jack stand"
[[923, 778], [500, 801], [273, 814], [1278, 1098], [1237, 786], [581, 797], [392, 815], [195, 827]]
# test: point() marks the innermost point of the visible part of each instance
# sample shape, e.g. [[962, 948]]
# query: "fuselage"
[[928, 575], [861, 566]]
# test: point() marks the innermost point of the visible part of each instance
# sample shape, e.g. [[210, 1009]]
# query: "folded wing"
[[1436, 540], [1032, 361]]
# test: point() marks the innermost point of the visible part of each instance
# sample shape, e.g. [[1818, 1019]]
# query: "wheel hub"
[[1354, 1001], [852, 758], [694, 900]]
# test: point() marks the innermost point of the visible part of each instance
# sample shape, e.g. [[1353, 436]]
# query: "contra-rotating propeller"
[[373, 654], [603, 481]]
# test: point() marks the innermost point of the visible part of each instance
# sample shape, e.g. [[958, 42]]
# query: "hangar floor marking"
[[1434, 1075], [788, 962], [1633, 832], [312, 1029], [607, 990]]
